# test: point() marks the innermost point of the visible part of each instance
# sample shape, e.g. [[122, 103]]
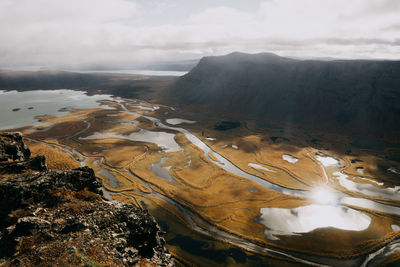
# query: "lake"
[[42, 102]]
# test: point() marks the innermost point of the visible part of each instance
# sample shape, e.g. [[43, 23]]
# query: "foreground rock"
[[50, 217]]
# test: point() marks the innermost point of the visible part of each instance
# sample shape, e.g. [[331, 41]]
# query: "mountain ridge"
[[354, 95]]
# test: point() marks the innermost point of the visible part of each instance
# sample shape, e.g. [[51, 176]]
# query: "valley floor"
[[249, 195]]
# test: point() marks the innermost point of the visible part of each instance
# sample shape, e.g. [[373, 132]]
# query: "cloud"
[[55, 32]]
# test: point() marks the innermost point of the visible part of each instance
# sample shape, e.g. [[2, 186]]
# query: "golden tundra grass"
[[54, 159], [212, 194]]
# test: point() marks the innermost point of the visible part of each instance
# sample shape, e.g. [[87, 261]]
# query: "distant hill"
[[184, 65], [48, 79], [174, 65], [350, 96], [124, 85]]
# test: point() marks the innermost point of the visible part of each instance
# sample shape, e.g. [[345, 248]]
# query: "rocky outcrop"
[[12, 148], [15, 155], [51, 217]]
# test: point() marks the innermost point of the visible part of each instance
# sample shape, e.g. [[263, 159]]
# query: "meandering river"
[[29, 104]]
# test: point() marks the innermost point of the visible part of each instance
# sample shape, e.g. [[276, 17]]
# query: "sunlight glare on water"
[[325, 211], [324, 195]]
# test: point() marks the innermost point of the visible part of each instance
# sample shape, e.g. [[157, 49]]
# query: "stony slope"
[[50, 217], [355, 96]]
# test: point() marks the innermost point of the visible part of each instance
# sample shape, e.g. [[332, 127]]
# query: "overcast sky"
[[59, 32]]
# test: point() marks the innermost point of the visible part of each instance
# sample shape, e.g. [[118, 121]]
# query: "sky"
[[133, 32]]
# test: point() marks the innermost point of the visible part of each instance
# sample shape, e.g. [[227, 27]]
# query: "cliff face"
[[50, 217], [357, 96]]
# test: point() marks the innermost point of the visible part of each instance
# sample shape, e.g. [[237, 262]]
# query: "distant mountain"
[[175, 65], [184, 65], [351, 96], [48, 79], [123, 85]]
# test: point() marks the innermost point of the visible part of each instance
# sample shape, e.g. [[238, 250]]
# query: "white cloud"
[[55, 32]]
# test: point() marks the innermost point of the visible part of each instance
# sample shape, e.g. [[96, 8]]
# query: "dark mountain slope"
[[357, 96]]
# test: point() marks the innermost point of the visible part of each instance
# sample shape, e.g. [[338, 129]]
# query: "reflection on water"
[[289, 158], [330, 210], [189, 162], [140, 72], [379, 257], [369, 204], [176, 121], [327, 161], [368, 189], [113, 115], [228, 166], [360, 170], [202, 249], [395, 227], [324, 195], [161, 171], [393, 170], [325, 212], [307, 218], [321, 215], [164, 140], [144, 107], [42, 102], [259, 167], [371, 180], [220, 160], [112, 180]]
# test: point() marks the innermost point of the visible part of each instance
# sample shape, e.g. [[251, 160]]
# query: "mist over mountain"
[[350, 96], [183, 65]]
